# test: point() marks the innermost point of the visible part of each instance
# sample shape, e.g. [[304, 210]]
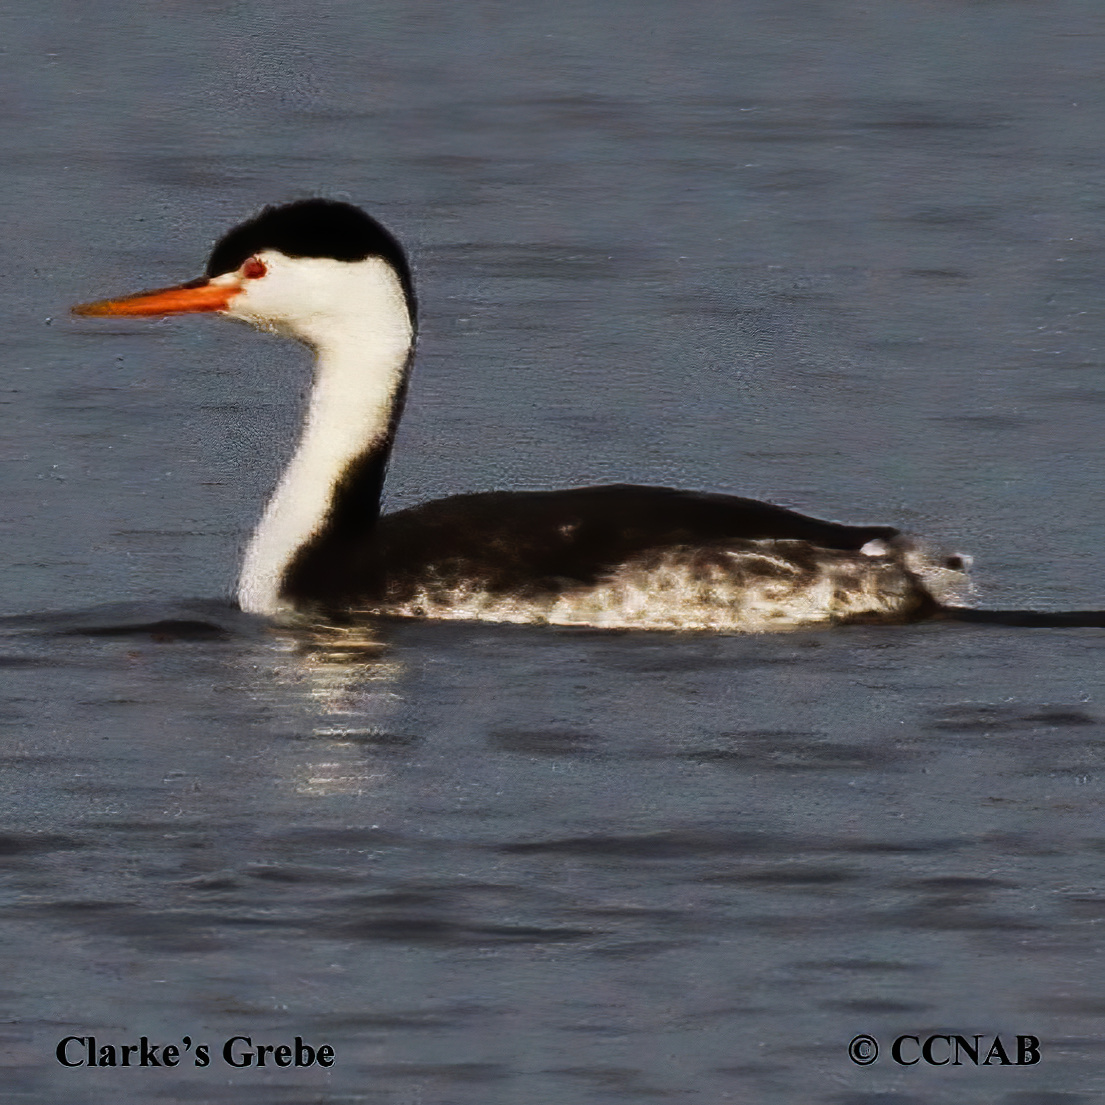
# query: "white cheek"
[[260, 305]]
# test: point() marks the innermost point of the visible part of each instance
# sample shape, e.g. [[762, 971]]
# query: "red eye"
[[254, 268]]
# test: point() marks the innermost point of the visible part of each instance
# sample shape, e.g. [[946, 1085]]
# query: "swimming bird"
[[619, 556]]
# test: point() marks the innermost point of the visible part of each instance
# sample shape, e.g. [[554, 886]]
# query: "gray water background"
[[847, 257]]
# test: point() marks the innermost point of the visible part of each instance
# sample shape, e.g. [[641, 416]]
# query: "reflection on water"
[[341, 669], [345, 676], [408, 841]]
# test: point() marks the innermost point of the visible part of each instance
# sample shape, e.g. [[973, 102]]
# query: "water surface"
[[844, 257]]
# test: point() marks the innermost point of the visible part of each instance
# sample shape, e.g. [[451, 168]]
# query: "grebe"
[[330, 276]]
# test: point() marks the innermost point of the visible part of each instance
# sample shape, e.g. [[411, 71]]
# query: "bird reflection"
[[343, 680]]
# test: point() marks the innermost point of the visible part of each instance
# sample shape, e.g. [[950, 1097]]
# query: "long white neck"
[[361, 363]]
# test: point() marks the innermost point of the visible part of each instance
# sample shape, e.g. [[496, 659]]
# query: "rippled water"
[[844, 257]]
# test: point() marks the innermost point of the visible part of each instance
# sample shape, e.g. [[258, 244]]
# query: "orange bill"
[[199, 295]]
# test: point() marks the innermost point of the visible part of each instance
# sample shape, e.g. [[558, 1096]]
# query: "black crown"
[[312, 228]]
